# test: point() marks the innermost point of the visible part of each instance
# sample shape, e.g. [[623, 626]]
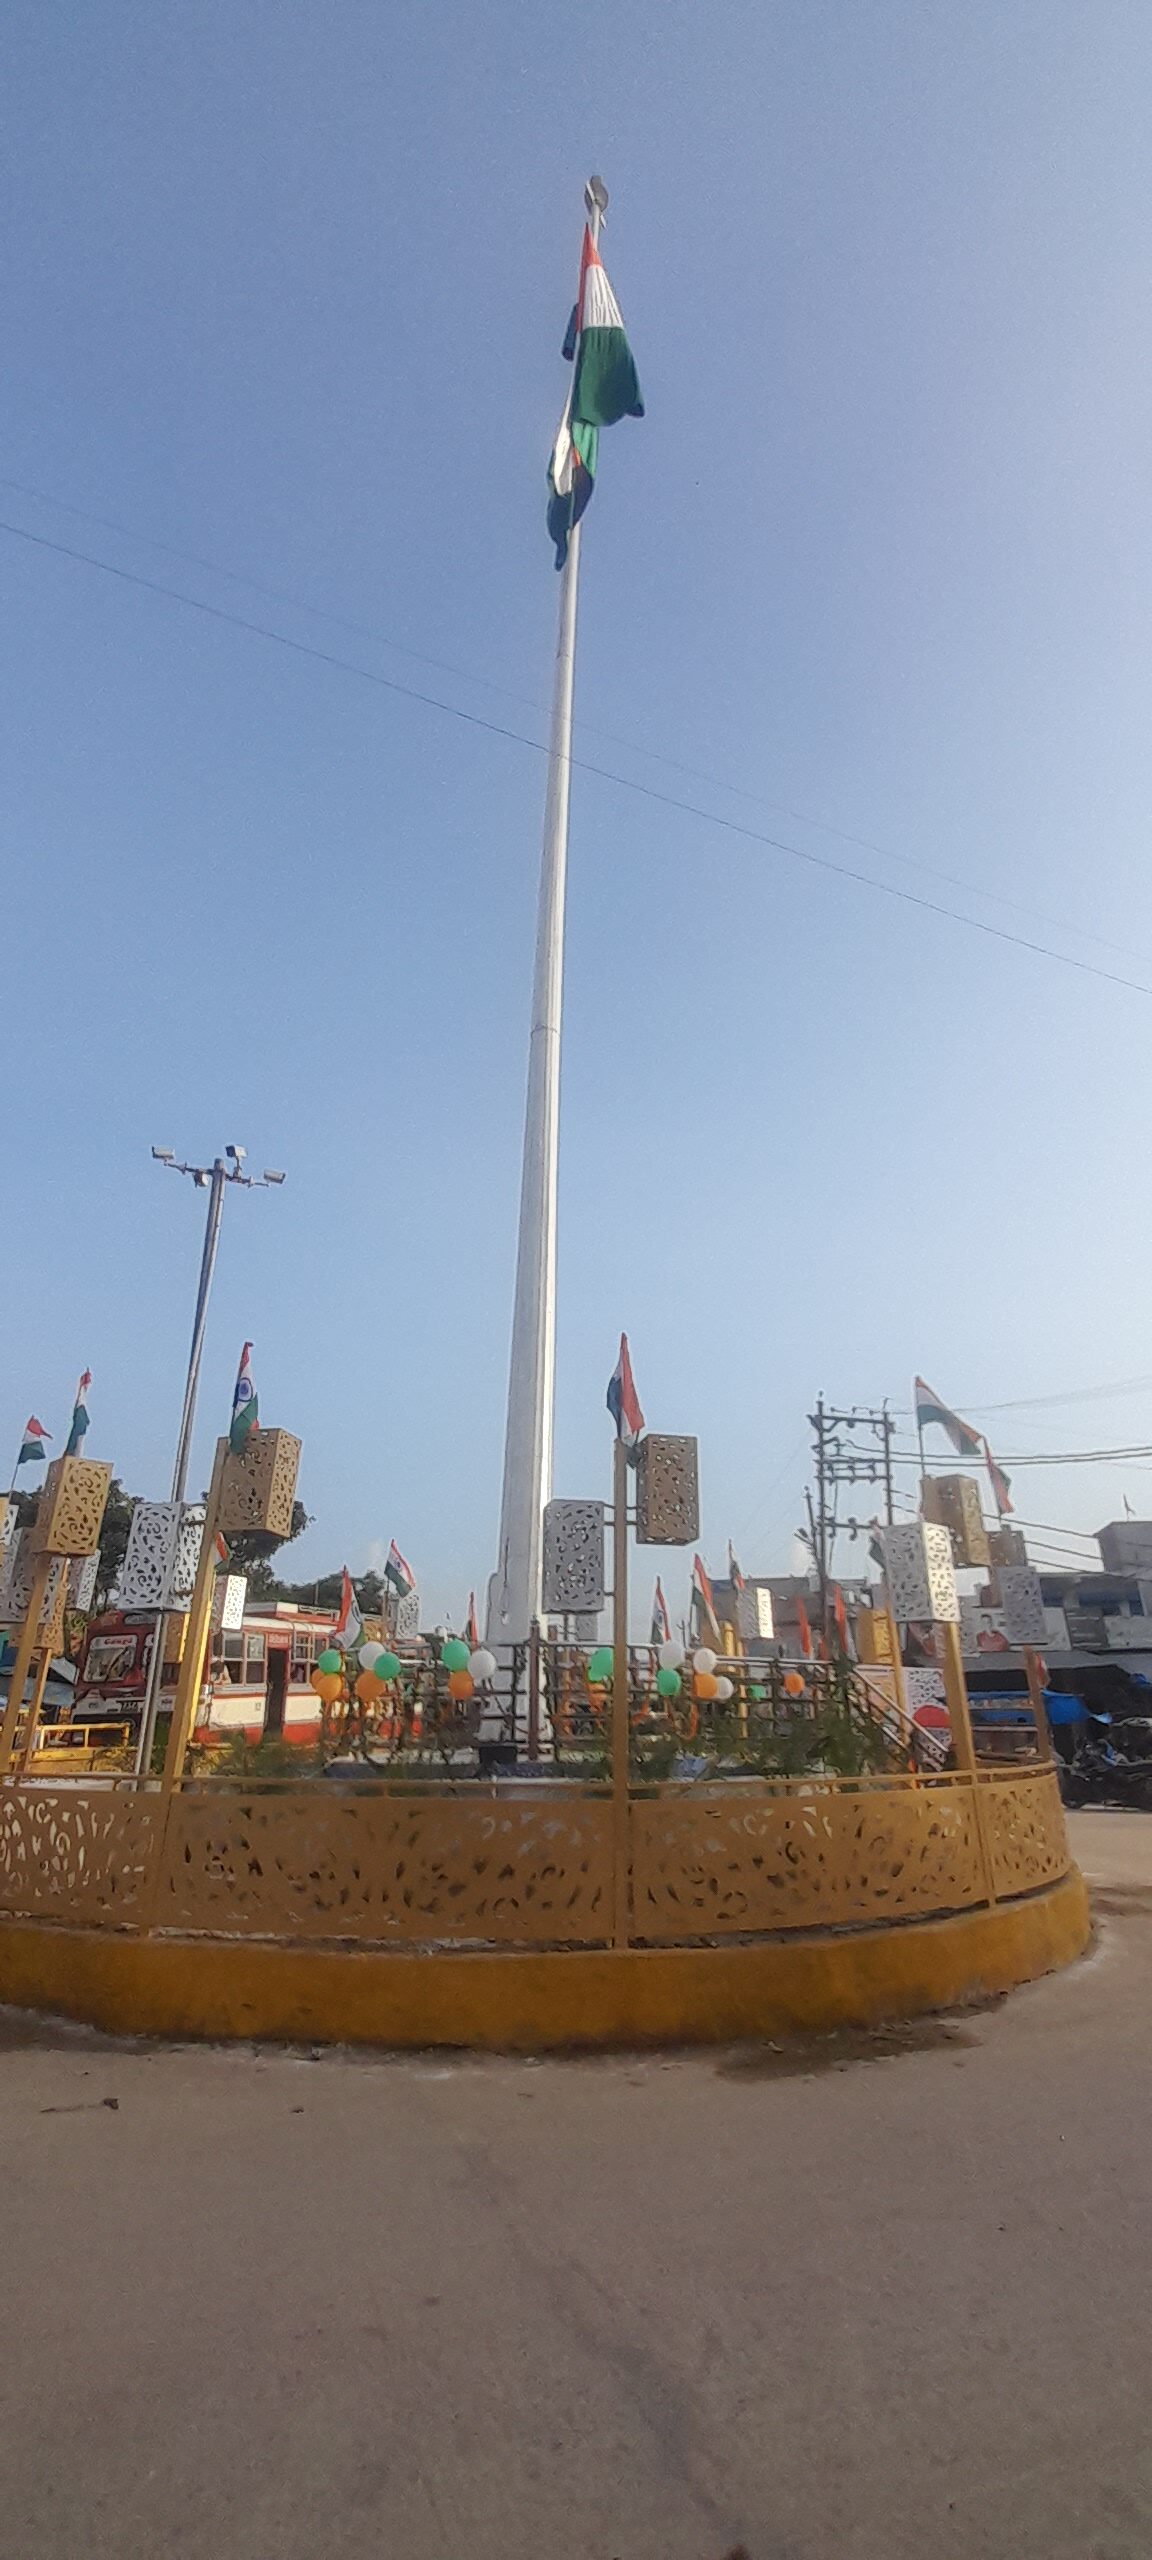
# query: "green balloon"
[[668, 1683], [454, 1655], [388, 1667], [330, 1660], [600, 1666]]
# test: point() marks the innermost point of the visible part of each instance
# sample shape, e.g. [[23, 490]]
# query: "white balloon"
[[723, 1691], [671, 1656], [369, 1656], [705, 1660], [482, 1665]]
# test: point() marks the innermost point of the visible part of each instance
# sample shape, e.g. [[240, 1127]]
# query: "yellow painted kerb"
[[528, 2002]]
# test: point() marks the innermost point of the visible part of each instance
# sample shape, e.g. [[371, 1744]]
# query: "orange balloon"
[[793, 1684], [705, 1684], [328, 1685], [368, 1687], [460, 1684]]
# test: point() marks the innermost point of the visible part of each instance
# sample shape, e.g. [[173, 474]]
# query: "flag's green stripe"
[[606, 386]]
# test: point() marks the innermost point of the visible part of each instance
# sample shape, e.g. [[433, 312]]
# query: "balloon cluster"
[[709, 1689], [466, 1670], [378, 1668]]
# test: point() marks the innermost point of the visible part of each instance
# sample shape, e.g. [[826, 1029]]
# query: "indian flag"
[[703, 1604], [79, 1417], [932, 1409], [398, 1572], [245, 1407], [32, 1445], [605, 387], [349, 1625]]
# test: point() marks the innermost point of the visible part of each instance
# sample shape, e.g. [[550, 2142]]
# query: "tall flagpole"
[[515, 1590]]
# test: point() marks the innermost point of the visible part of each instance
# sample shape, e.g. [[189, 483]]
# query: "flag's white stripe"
[[601, 309], [562, 453]]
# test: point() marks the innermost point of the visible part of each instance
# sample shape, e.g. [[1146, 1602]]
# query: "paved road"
[[883, 2298]]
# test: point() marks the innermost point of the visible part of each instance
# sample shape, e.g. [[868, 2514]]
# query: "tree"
[[250, 1552], [324, 1592], [117, 1521], [113, 1534]]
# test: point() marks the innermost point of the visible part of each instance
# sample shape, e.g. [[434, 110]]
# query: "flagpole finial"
[[596, 198]]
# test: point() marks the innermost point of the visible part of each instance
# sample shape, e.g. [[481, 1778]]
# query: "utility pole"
[[850, 1445], [227, 1171]]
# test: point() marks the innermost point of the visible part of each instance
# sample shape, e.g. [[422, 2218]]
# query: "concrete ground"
[[875, 2298]]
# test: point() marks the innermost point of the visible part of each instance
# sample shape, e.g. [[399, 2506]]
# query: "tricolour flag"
[[604, 388], [245, 1407], [622, 1400], [703, 1604], [661, 1628], [398, 1573], [32, 1445], [349, 1625], [966, 1442], [735, 1576], [1001, 1483], [79, 1417], [471, 1625]]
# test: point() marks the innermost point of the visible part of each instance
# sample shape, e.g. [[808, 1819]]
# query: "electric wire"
[[580, 764], [591, 729]]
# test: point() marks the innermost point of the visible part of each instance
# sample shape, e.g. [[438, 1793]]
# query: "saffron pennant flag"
[[929, 1408], [703, 1604], [398, 1572], [605, 388], [803, 1630], [245, 1407], [32, 1445], [660, 1631], [349, 1625], [622, 1400], [79, 1417], [1001, 1484]]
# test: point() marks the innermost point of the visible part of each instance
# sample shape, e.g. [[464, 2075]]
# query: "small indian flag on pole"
[[622, 1400], [79, 1417], [703, 1604], [661, 1630], [931, 1409], [32, 1445], [245, 1407], [1001, 1484], [398, 1572], [349, 1625]]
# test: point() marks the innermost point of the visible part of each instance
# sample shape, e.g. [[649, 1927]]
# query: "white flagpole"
[[514, 1592]]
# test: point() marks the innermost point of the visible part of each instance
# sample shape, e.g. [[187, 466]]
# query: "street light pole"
[[225, 1170]]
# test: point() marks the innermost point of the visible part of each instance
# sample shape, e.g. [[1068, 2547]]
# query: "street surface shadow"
[[802, 2057], [1123, 1901]]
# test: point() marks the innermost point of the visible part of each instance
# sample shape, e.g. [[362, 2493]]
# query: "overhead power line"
[[580, 764], [1042, 1457], [1021, 1404], [588, 728]]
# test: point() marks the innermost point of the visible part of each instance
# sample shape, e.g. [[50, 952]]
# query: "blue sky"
[[284, 289]]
